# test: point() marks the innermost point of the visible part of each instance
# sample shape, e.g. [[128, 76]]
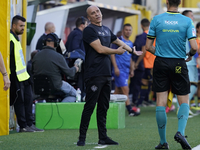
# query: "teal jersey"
[[171, 31]]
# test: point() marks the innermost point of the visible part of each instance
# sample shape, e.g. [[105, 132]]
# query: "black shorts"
[[171, 72]]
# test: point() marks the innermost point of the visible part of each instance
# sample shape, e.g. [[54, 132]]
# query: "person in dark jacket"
[[74, 40], [49, 28], [51, 63], [29, 67], [135, 84], [75, 43]]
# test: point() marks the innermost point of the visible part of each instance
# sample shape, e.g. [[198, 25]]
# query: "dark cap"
[[50, 38]]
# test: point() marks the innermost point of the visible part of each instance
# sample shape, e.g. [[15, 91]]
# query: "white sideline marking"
[[195, 114], [196, 148], [190, 116], [89, 143], [101, 146]]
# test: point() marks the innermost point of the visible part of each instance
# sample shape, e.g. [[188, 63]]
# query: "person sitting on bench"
[[51, 63]]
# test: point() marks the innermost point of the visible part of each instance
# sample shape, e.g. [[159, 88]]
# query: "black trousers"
[[135, 85], [21, 97], [97, 91]]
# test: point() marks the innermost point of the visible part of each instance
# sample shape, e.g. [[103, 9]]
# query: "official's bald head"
[[49, 28], [94, 15]]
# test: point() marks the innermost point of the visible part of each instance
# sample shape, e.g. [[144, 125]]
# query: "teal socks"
[[183, 114], [161, 119]]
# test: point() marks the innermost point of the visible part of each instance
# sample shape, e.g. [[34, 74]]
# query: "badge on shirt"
[[193, 32]]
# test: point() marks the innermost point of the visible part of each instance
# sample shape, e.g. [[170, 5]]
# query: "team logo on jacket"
[[94, 88], [101, 33]]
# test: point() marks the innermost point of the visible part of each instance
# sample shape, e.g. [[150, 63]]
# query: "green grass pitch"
[[140, 133]]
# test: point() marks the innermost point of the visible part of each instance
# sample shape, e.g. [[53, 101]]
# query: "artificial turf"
[[140, 133]]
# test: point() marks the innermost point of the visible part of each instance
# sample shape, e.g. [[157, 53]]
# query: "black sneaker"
[[107, 141], [36, 129], [182, 140], [26, 129], [132, 113], [81, 143], [162, 146]]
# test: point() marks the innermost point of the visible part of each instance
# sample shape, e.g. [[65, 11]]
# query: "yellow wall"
[[64, 2], [133, 20], [4, 42], [24, 14], [191, 3]]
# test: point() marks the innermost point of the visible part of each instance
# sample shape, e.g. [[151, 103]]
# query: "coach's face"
[[94, 15], [19, 27]]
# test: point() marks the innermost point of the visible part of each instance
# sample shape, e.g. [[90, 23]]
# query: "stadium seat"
[[43, 87]]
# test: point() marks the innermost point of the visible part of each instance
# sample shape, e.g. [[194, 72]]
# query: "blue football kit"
[[123, 63]]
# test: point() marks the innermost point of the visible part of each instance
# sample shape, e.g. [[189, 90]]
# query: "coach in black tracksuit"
[[97, 39]]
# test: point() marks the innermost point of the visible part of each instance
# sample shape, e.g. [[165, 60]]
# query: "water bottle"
[[33, 108], [78, 95]]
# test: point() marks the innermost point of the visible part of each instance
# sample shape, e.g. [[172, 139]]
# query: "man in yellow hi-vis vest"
[[20, 89]]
